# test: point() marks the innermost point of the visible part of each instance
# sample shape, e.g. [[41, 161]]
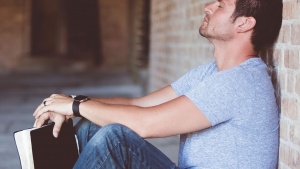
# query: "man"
[[225, 111]]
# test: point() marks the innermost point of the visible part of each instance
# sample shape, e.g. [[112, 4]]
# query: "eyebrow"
[[225, 2], [221, 1]]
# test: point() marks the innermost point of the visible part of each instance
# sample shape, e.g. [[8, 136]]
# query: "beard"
[[223, 33]]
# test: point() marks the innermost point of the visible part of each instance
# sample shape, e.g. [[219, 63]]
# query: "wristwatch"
[[77, 100]]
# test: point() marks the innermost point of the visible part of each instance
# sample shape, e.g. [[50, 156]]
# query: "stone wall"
[[176, 47]]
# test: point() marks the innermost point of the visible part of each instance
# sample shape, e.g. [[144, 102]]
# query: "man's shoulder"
[[204, 69]]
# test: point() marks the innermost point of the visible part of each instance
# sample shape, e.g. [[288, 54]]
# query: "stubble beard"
[[203, 31], [223, 34]]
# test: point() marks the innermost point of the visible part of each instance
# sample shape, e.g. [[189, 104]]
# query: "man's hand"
[[57, 103], [58, 119]]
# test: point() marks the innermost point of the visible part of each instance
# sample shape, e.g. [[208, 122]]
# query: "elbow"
[[142, 134], [141, 128], [146, 129], [146, 135]]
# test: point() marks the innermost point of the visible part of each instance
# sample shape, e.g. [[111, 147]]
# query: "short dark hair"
[[268, 15]]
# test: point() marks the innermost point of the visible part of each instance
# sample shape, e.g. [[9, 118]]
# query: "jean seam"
[[107, 155], [138, 158]]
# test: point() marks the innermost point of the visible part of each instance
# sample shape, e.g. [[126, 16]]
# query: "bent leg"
[[117, 146], [84, 131]]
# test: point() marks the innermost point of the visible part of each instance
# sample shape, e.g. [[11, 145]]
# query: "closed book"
[[39, 149]]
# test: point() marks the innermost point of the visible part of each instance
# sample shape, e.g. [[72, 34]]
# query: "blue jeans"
[[116, 146]]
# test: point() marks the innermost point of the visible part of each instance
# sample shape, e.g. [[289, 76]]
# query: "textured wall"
[[11, 29], [287, 66], [176, 47], [114, 32], [15, 39]]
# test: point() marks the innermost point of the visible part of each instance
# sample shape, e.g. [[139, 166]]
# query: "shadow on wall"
[[270, 57]]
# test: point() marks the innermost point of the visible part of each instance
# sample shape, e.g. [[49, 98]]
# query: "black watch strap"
[[75, 108]]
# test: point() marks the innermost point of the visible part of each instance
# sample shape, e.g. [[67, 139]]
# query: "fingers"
[[42, 110], [44, 103], [45, 111], [41, 120], [59, 120], [55, 103]]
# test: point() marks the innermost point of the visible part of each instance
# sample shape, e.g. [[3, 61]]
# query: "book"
[[39, 149]]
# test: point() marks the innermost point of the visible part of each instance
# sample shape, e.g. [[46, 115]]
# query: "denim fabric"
[[116, 146]]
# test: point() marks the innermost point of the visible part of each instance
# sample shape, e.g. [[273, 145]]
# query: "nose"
[[209, 8]]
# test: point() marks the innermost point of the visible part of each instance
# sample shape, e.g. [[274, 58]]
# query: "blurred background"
[[74, 35], [94, 47], [124, 48]]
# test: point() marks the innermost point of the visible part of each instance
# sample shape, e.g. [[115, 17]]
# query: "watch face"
[[81, 97]]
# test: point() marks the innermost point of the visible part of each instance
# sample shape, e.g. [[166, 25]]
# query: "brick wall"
[[11, 28], [176, 47], [15, 37], [287, 66], [114, 32], [139, 34], [175, 42]]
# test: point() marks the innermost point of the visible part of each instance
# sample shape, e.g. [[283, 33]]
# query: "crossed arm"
[[159, 114]]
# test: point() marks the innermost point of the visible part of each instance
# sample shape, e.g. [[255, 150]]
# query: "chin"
[[201, 32]]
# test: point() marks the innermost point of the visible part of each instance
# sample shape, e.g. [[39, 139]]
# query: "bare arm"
[[177, 116], [158, 97], [159, 114]]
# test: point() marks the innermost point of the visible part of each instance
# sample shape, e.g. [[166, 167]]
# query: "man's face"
[[218, 24]]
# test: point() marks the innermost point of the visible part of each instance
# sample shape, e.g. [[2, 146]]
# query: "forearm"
[[177, 116], [117, 100], [102, 114], [158, 97]]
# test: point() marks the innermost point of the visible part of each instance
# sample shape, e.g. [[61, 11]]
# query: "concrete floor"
[[20, 95]]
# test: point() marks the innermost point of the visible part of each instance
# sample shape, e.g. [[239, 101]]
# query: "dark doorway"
[[65, 27], [83, 28], [45, 27]]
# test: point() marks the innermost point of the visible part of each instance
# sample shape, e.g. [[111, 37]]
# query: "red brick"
[[294, 159], [295, 34], [295, 134], [114, 31], [291, 83], [291, 10], [297, 85], [290, 108], [289, 156], [284, 130], [285, 34], [291, 58], [284, 154], [282, 81]]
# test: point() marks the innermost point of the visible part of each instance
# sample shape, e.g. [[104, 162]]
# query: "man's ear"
[[245, 24]]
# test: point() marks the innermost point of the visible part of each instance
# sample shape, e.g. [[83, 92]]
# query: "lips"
[[205, 19]]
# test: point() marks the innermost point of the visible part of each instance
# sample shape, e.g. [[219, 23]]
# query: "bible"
[[39, 149]]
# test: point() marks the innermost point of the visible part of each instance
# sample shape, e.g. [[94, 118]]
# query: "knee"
[[116, 131], [82, 126]]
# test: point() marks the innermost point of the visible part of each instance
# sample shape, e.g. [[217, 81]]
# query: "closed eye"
[[220, 5]]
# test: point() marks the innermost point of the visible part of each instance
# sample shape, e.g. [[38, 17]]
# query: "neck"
[[229, 55]]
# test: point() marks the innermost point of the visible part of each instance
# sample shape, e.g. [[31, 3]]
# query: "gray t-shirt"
[[241, 107]]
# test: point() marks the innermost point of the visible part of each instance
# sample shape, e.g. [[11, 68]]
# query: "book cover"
[[39, 149]]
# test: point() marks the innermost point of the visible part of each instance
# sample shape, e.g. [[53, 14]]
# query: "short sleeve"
[[193, 77], [217, 96]]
